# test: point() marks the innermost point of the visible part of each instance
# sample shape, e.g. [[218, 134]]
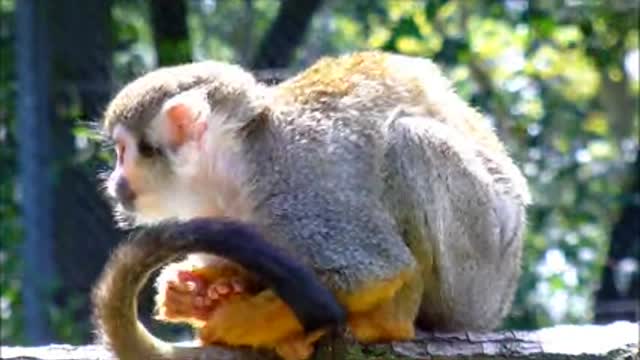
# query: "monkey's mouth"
[[127, 205], [125, 218], [125, 195], [120, 195]]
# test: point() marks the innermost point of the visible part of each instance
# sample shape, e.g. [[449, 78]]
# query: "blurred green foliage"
[[10, 230], [559, 82]]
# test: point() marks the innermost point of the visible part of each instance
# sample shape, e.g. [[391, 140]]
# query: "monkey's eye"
[[120, 150], [147, 150]]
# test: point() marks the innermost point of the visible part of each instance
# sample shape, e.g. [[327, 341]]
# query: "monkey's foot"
[[261, 320], [298, 347], [190, 295], [383, 323]]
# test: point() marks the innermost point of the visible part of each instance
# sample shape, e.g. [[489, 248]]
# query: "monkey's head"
[[175, 133]]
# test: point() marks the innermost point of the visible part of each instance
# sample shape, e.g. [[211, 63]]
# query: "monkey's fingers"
[[224, 288], [194, 298], [220, 269], [227, 277], [190, 282], [178, 306], [189, 294], [183, 287], [184, 297]]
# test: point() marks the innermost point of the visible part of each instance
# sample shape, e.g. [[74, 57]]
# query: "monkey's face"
[[141, 175], [177, 134], [157, 173]]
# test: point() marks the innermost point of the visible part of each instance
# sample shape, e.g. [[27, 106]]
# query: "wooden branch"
[[614, 341]]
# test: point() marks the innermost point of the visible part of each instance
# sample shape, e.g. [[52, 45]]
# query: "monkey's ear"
[[182, 125]]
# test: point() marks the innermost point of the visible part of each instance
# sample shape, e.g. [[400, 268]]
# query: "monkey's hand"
[[228, 306], [189, 292]]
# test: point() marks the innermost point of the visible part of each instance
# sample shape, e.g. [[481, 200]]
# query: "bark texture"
[[614, 341]]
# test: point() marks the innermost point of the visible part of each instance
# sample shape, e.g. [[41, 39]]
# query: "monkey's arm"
[[203, 290], [187, 291]]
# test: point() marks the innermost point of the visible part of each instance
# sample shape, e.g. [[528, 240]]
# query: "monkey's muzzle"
[[124, 194]]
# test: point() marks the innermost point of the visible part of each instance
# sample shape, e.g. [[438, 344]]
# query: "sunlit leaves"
[[400, 9], [596, 123], [410, 45], [542, 67], [490, 37], [379, 36], [567, 36], [569, 70], [413, 35], [133, 52], [346, 31], [601, 150]]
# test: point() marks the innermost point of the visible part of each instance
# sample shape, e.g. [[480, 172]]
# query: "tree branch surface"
[[617, 340]]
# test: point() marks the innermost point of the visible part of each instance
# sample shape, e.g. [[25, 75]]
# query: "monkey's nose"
[[124, 193]]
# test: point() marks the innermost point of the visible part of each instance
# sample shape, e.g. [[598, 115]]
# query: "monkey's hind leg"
[[468, 201], [393, 319], [262, 320], [258, 320]]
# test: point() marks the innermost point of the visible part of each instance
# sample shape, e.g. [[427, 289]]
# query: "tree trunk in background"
[[286, 34], [35, 165], [619, 293], [170, 32], [80, 40]]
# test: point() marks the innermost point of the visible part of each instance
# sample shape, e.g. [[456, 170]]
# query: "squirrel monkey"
[[367, 168]]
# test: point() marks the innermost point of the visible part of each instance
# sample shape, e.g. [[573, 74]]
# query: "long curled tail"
[[115, 294]]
